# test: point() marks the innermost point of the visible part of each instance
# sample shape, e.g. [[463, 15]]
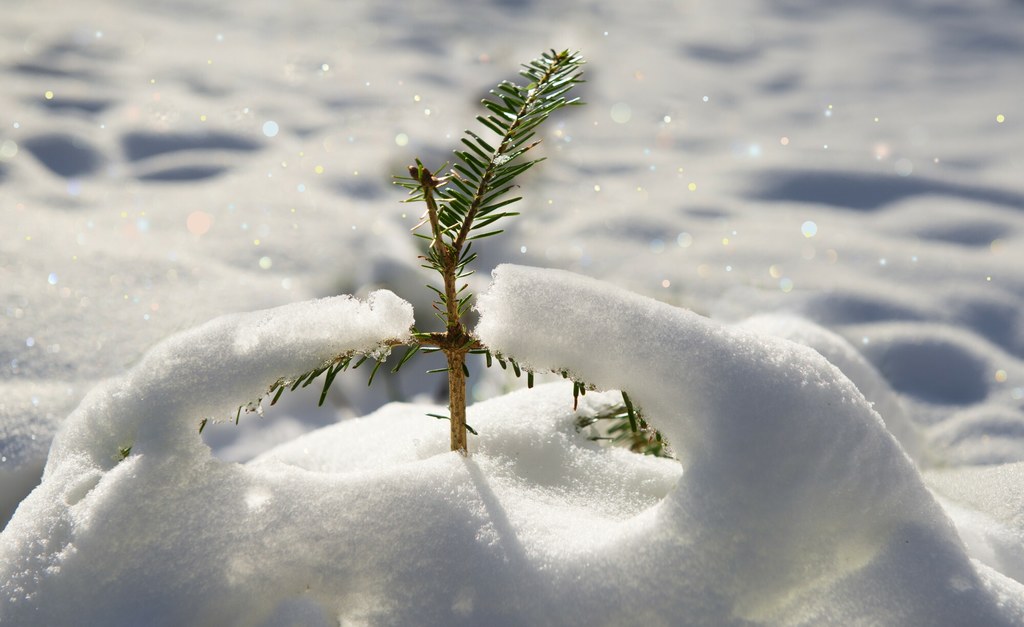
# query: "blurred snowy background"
[[165, 162]]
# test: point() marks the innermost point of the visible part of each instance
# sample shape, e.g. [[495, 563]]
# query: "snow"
[[792, 503], [207, 373], [844, 177], [788, 469]]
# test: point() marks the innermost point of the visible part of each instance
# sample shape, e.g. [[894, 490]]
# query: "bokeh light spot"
[[621, 112], [198, 222], [8, 149]]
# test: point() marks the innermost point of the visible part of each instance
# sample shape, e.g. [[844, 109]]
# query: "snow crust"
[[791, 503]]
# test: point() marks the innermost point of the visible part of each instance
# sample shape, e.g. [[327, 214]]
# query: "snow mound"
[[791, 480], [792, 505], [852, 363], [988, 507], [209, 371]]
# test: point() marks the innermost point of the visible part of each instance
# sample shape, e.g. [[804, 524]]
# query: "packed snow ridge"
[[791, 502]]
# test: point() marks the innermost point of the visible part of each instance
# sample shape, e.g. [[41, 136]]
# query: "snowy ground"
[[858, 168]]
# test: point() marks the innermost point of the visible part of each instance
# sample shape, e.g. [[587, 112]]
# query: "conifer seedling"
[[462, 203]]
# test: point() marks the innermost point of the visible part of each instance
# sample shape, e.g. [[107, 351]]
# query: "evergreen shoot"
[[463, 202]]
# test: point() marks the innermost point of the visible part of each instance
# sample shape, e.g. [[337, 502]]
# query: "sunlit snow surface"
[[845, 177]]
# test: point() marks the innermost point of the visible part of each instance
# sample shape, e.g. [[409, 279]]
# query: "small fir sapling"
[[462, 202]]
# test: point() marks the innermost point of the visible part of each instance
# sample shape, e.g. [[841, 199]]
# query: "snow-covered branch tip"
[[621, 424], [331, 367]]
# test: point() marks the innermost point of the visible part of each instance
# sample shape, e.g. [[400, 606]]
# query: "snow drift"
[[792, 504], [794, 493]]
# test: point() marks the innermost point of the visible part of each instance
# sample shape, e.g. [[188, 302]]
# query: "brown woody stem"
[[455, 341], [457, 399]]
